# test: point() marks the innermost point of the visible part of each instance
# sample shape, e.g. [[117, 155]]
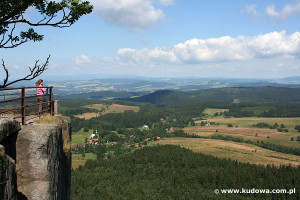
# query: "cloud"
[[251, 9], [83, 59], [134, 14], [222, 49], [166, 2], [287, 11]]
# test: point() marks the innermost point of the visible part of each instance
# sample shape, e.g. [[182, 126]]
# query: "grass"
[[212, 111], [66, 141], [48, 119], [242, 127], [290, 123], [236, 151], [253, 134], [87, 115], [2, 152], [105, 109], [79, 136], [78, 160]]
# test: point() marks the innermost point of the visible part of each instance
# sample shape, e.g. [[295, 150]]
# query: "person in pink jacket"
[[40, 91]]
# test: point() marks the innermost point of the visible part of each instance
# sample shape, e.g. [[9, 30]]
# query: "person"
[[40, 91]]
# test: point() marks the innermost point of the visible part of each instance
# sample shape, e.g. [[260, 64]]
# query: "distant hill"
[[149, 84], [101, 95], [237, 94], [160, 97], [290, 80]]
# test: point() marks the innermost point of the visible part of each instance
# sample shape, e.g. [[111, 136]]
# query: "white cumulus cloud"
[[251, 9], [222, 49], [135, 14], [166, 2], [83, 59], [287, 11]]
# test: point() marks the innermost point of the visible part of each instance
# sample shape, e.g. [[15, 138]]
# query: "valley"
[[259, 134]]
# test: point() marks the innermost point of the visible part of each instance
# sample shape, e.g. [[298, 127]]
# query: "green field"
[[242, 127], [79, 160], [290, 123], [79, 136], [212, 111], [235, 151]]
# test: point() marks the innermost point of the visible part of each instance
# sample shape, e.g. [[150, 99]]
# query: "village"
[[132, 137]]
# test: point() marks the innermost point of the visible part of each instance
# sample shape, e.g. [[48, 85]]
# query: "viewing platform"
[[23, 104]]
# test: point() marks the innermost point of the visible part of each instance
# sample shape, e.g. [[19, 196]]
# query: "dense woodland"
[[243, 94], [171, 172]]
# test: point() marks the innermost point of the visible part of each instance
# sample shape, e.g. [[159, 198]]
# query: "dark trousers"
[[40, 100]]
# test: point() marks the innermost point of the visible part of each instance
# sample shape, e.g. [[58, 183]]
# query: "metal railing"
[[20, 103]]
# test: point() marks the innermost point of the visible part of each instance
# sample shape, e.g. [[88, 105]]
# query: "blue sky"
[[170, 38]]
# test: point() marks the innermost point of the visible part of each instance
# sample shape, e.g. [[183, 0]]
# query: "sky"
[[169, 38]]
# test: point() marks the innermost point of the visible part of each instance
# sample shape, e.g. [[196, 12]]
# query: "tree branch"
[[34, 72], [7, 74]]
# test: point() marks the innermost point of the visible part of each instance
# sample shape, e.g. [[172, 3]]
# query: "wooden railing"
[[20, 103]]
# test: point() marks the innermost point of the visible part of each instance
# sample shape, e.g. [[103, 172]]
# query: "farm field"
[[242, 127], [248, 121], [78, 160], [211, 111], [253, 134], [79, 136], [105, 109], [235, 151]]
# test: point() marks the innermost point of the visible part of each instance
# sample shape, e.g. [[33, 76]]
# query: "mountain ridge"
[[228, 94]]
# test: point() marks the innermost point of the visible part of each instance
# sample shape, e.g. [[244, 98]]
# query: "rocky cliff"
[[8, 134], [43, 161]]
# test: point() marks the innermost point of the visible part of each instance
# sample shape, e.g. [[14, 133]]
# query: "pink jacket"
[[40, 91]]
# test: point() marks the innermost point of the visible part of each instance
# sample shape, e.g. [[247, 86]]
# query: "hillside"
[[239, 94]]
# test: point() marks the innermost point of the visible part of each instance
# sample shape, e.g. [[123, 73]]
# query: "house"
[[173, 128], [147, 139], [89, 142], [92, 141], [115, 143], [145, 127], [92, 136]]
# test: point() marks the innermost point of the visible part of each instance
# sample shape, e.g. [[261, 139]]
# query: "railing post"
[[23, 106], [51, 102]]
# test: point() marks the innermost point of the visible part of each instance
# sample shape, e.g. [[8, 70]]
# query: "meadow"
[[105, 109], [241, 128], [242, 152], [80, 160]]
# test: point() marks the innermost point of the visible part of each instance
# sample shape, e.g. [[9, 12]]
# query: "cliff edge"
[[43, 165], [35, 160], [8, 135]]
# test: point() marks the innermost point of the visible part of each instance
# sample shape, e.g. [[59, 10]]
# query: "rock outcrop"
[[35, 160], [8, 181], [43, 165]]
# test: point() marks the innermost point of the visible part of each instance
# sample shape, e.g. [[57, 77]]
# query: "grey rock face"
[[43, 168], [8, 134]]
